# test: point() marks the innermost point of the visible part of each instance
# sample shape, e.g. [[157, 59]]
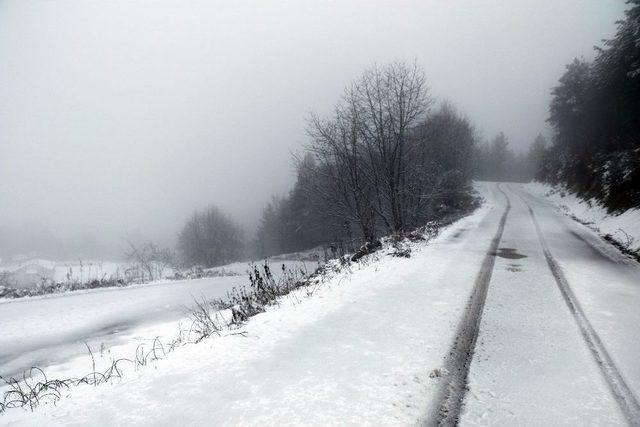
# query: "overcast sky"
[[120, 117]]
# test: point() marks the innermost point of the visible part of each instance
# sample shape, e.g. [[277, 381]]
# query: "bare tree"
[[362, 150], [392, 99], [148, 261], [342, 168]]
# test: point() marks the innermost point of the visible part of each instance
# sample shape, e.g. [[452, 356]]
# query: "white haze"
[[118, 118]]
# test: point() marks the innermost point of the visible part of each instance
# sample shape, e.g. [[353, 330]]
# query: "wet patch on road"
[[514, 268], [509, 253]]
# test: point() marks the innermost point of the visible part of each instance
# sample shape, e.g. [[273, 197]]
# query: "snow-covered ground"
[[365, 347], [359, 350], [624, 228], [49, 329]]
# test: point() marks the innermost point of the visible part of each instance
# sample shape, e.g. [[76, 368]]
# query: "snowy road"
[[550, 310], [559, 335]]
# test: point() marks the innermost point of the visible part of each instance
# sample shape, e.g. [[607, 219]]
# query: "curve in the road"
[[623, 395], [453, 385]]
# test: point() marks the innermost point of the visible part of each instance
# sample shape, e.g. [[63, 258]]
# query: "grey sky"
[[121, 117]]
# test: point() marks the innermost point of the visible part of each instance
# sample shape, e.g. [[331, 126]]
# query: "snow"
[[359, 348], [622, 227], [51, 328]]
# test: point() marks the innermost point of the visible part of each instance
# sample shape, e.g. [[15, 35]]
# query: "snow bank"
[[623, 228]]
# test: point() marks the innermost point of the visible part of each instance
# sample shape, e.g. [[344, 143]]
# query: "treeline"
[[496, 161], [595, 115], [384, 162]]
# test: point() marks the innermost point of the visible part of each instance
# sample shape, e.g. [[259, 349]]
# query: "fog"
[[119, 118]]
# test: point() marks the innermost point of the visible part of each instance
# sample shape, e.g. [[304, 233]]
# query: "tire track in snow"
[[453, 385], [621, 392]]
